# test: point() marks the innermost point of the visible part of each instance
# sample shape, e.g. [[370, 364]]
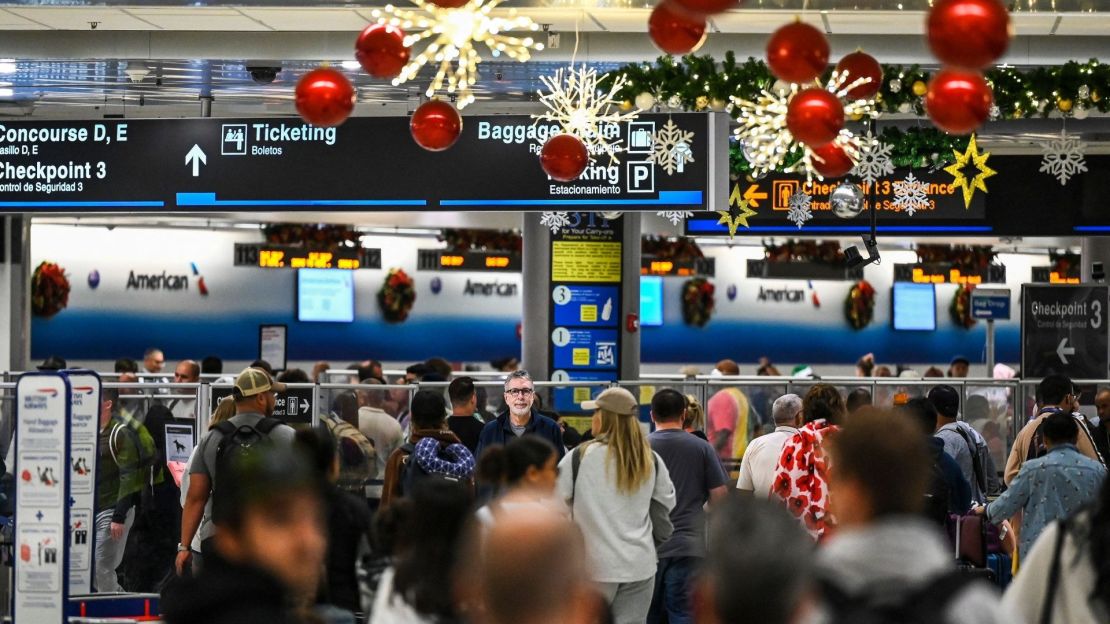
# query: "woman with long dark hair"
[[1065, 579], [524, 470], [417, 589]]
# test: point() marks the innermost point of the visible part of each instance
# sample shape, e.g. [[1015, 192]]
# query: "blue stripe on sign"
[[666, 198], [714, 227], [1092, 228], [84, 204], [209, 199]]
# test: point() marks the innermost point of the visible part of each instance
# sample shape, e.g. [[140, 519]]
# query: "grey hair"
[[785, 408], [518, 374]]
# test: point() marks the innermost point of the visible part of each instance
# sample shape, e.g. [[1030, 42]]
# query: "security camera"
[[263, 74], [855, 259]]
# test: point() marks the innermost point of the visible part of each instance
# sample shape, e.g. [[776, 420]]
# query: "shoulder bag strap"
[[575, 464], [1053, 575], [976, 460]]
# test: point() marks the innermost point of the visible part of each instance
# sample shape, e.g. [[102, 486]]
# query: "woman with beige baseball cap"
[[621, 495]]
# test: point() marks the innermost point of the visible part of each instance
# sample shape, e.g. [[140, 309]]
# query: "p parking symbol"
[[641, 177]]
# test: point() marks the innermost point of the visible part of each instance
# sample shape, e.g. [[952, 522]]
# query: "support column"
[[536, 288], [630, 296], [15, 285], [1094, 249]]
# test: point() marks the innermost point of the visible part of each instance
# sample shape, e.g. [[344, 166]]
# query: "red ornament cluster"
[[324, 97], [564, 157], [797, 52], [860, 64], [967, 36], [435, 125], [678, 26], [381, 51]]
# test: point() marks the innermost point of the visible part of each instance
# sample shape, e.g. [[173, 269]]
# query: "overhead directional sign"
[[1063, 330], [992, 304], [368, 163], [295, 405]]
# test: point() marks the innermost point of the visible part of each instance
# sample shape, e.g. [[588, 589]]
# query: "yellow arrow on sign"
[[753, 195]]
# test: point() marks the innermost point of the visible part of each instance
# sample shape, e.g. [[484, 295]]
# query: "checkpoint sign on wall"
[[1063, 330]]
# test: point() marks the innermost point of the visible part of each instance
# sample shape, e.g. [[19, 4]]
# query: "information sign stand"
[[85, 393]]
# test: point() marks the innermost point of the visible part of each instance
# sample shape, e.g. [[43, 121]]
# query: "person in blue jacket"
[[521, 418]]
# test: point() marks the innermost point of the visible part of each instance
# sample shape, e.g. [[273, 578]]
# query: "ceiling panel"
[[759, 21], [67, 18], [198, 19], [305, 19], [1084, 24]]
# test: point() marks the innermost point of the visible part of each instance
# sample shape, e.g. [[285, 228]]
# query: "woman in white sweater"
[[1066, 577], [621, 496]]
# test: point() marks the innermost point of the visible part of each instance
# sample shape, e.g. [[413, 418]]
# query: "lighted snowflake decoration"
[[763, 127], [670, 148], [453, 36], [801, 208], [675, 216], [575, 102], [874, 159], [910, 195], [1064, 157], [555, 220]]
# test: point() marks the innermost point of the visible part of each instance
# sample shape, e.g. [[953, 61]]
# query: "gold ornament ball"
[[701, 102], [1095, 96], [1064, 104], [856, 116], [920, 88], [717, 105], [626, 105]]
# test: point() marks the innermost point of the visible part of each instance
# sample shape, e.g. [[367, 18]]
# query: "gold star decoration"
[[979, 161], [738, 212]]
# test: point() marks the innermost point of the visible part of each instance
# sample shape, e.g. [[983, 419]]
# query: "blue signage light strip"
[[714, 227], [666, 198], [1092, 228], [209, 199], [84, 204]]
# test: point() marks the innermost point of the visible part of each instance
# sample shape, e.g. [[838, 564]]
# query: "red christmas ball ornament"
[[564, 157], [449, 4], [831, 161], [324, 97], [814, 116], [675, 32], [706, 7], [381, 51], [968, 33], [958, 101], [860, 64], [797, 52], [435, 125]]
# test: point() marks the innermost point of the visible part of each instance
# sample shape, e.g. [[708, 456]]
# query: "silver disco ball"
[[847, 201]]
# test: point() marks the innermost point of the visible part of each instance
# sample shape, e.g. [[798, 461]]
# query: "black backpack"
[[412, 472], [937, 495], [926, 605], [240, 442]]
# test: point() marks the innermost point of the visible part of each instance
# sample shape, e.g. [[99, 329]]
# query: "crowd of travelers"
[[430, 507]]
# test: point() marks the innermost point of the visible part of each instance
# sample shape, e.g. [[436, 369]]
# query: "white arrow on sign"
[[196, 158], [1063, 350], [304, 406]]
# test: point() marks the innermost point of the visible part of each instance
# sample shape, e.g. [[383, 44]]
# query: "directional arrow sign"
[[196, 158], [1062, 350], [305, 406], [1064, 331], [753, 195]]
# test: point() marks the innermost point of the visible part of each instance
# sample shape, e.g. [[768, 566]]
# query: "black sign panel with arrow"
[[293, 406], [1063, 330]]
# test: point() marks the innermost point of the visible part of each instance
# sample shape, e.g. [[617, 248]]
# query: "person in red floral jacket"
[[801, 479]]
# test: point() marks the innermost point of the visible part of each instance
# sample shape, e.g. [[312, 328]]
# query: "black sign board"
[[681, 268], [1063, 330], [294, 406], [368, 163], [803, 270], [269, 256], [1050, 275], [438, 260]]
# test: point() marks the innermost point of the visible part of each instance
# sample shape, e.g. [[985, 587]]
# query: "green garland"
[[701, 82]]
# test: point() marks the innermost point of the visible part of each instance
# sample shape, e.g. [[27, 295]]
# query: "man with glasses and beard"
[[520, 418]]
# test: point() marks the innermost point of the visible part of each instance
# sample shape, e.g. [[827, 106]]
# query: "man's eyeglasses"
[[519, 392]]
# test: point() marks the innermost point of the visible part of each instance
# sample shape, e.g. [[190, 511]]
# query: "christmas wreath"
[[859, 306], [818, 252], [960, 308], [49, 290], [321, 236], [697, 301], [396, 296]]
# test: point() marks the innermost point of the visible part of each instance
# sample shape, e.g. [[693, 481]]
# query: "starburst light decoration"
[[910, 195], [978, 162], [580, 107], [453, 36], [1064, 157], [801, 208], [738, 213], [763, 127]]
